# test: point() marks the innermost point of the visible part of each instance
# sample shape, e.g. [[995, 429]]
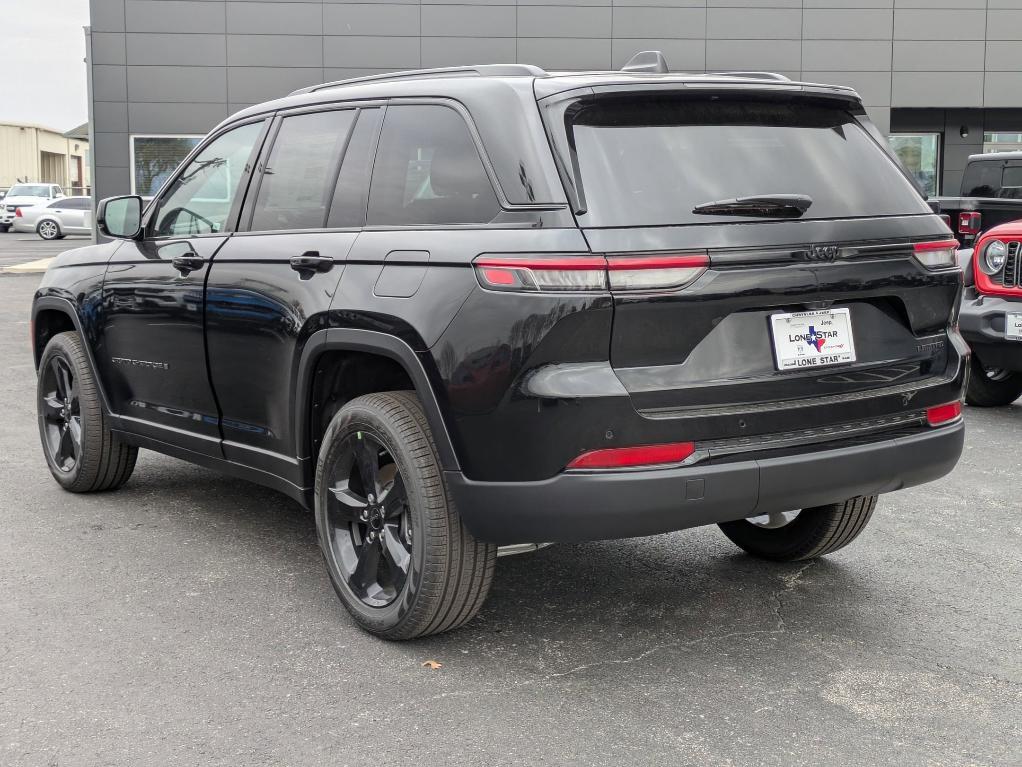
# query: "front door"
[[151, 351]]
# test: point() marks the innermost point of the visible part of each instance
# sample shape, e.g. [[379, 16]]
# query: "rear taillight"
[[17, 213], [969, 222], [539, 274], [936, 255], [941, 414], [641, 455]]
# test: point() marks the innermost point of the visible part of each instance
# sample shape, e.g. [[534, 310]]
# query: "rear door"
[[270, 282], [780, 284]]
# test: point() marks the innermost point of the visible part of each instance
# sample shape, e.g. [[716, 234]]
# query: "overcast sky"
[[43, 51]]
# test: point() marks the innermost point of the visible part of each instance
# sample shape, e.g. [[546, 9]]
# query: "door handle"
[[310, 261], [187, 262]]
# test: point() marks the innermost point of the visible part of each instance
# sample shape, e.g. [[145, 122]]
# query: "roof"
[[81, 132], [1017, 155]]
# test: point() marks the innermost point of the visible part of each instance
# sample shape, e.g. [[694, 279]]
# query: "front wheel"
[[49, 230], [397, 553], [82, 453], [992, 387], [793, 535]]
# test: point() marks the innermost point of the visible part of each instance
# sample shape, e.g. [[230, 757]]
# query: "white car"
[[54, 220], [24, 196]]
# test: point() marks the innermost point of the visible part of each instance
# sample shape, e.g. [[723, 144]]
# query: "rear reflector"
[[937, 255], [585, 273], [969, 222], [935, 416], [642, 455]]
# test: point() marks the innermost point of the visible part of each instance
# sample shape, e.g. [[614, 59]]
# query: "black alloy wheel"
[[62, 414], [370, 530]]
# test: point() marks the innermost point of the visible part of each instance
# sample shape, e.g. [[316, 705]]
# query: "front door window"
[[920, 154], [200, 199]]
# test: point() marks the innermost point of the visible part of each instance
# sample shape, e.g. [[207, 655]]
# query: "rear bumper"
[[595, 506], [981, 323]]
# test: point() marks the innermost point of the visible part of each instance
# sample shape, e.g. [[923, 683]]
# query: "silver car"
[[53, 220]]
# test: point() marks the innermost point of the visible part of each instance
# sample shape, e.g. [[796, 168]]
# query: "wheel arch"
[[323, 344], [52, 315]]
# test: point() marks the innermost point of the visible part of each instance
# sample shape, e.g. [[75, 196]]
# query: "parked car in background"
[[991, 315], [25, 196], [3, 193], [991, 194], [451, 310], [54, 220]]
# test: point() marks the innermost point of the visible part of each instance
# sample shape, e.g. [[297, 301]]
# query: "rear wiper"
[[772, 205]]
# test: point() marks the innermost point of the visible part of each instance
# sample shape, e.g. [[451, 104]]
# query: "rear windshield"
[[650, 162]]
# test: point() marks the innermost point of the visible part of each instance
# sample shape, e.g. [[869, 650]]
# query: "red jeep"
[[991, 318]]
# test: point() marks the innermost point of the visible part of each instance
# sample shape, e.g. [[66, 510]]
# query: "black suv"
[[455, 309]]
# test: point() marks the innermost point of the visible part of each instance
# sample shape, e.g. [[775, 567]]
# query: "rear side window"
[[298, 181], [650, 162], [348, 208], [982, 179], [1011, 182], [428, 171]]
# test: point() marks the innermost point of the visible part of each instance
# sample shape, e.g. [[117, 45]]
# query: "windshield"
[[651, 162], [29, 190]]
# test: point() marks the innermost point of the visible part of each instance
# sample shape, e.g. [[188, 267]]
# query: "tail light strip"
[[590, 273]]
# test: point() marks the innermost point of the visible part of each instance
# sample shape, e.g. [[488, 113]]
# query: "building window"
[[920, 154], [154, 160], [1000, 141]]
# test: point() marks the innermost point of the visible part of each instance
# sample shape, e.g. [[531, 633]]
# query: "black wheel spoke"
[[396, 554], [346, 503], [392, 498], [75, 429], [65, 448], [364, 574], [52, 407], [367, 455], [63, 379]]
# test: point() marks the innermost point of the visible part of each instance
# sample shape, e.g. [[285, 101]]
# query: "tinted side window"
[[199, 200], [58, 204], [982, 179], [428, 171], [298, 181], [72, 203], [349, 204]]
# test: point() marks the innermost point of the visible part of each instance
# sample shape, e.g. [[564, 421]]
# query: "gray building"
[[942, 77]]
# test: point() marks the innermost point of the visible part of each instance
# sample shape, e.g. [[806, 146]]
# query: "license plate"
[[1013, 326], [813, 339]]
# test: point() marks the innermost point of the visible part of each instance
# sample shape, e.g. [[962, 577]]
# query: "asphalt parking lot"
[[21, 247], [186, 619]]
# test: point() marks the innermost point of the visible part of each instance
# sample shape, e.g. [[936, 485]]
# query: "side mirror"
[[120, 217]]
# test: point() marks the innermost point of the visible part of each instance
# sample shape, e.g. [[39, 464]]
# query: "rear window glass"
[[982, 179], [650, 162]]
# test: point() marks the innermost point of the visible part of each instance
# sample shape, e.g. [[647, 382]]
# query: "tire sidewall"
[[984, 392], [59, 347], [389, 618]]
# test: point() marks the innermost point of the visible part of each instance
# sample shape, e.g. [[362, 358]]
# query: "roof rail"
[[753, 75], [481, 70]]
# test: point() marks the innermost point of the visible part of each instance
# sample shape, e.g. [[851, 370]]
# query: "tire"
[[808, 534], [989, 387], [68, 403], [447, 573], [49, 229], [4, 228]]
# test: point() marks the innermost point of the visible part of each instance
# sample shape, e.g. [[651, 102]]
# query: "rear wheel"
[[397, 553], [82, 453], [992, 387], [5, 228], [792, 535], [48, 230]]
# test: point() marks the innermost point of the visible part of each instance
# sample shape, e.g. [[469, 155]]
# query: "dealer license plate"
[[1013, 326], [812, 339]]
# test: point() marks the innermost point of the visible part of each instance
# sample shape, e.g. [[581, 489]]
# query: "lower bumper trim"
[[579, 507]]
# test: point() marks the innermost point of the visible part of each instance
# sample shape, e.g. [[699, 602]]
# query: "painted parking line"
[[39, 265]]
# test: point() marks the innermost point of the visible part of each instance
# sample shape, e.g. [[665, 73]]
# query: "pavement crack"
[[789, 583]]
